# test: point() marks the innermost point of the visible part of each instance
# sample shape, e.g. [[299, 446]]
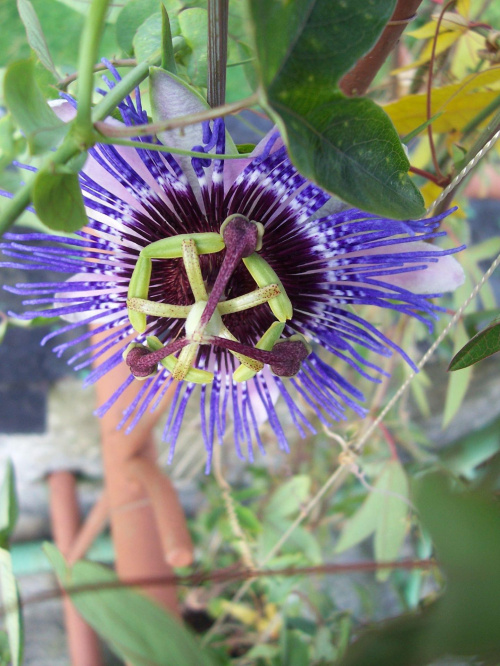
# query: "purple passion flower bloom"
[[238, 278]]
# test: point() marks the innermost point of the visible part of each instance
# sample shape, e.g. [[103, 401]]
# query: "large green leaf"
[[136, 628], [42, 127], [13, 616], [348, 146]]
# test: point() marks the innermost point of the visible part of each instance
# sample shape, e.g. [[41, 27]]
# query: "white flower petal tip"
[[440, 276], [63, 109]]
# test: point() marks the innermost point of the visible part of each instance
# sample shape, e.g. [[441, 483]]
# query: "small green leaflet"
[[383, 514], [484, 344], [348, 146], [10, 601], [58, 201], [9, 509], [35, 35]]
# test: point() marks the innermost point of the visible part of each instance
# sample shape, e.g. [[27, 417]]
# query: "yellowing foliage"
[[459, 102]]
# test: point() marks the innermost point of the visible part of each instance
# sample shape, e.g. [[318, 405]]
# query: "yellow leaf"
[[241, 612], [466, 58], [449, 22], [460, 103], [444, 41], [430, 191], [463, 8]]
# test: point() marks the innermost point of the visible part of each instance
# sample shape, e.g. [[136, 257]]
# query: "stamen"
[[193, 270], [250, 300], [195, 375], [138, 288], [266, 342], [285, 358], [264, 276], [143, 362], [158, 309], [171, 247]]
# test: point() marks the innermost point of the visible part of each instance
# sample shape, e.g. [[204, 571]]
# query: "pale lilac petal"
[[66, 112], [440, 276], [76, 317]]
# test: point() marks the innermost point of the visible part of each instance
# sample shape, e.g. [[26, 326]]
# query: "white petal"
[[445, 274]]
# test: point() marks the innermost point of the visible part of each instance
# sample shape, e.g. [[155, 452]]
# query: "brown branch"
[[429, 89], [128, 62], [357, 81], [228, 575]]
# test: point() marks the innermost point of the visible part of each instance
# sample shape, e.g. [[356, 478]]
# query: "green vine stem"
[[89, 53]]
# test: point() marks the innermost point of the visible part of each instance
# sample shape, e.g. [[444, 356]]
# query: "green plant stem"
[[89, 51], [218, 16], [70, 147], [174, 123], [168, 149], [128, 83]]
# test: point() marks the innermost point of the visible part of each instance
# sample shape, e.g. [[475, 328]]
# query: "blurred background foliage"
[[426, 485]]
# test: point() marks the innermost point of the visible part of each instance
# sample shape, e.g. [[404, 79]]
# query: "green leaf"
[[383, 513], [147, 39], [391, 523], [193, 24], [347, 146], [458, 383], [5, 659], [10, 600], [130, 18], [9, 509], [465, 528], [138, 630], [288, 498], [35, 35], [484, 344], [58, 201], [42, 127]]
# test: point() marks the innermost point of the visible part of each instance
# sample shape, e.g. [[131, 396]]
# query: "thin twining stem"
[[181, 121]]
